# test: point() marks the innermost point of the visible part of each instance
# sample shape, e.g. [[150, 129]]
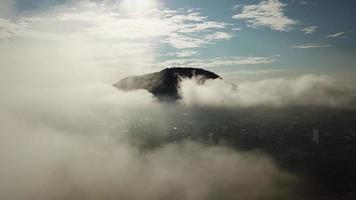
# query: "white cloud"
[[182, 41], [73, 141], [138, 5], [118, 40], [105, 22], [310, 46], [184, 53], [64, 127], [267, 13], [220, 61], [336, 35], [179, 41], [236, 29], [202, 26], [218, 36], [310, 29], [306, 90]]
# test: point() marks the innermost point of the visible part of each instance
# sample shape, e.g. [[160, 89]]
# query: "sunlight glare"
[[138, 5]]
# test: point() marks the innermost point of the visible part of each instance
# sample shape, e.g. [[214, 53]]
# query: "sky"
[[229, 36]]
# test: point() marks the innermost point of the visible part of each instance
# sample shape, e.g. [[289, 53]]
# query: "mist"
[[304, 90], [81, 140], [68, 138], [74, 142], [42, 163]]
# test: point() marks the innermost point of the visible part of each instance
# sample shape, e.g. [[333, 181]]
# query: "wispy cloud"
[[267, 13], [310, 46], [117, 39], [181, 54], [337, 35], [218, 36], [121, 41], [220, 61], [236, 29], [178, 28], [253, 72], [310, 29]]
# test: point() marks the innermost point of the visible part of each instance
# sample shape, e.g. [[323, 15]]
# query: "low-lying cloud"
[[72, 143], [67, 134], [41, 163], [306, 90]]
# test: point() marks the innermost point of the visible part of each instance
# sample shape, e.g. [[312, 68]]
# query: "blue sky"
[[328, 16], [225, 35]]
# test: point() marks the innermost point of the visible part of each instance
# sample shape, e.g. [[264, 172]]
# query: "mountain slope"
[[165, 84]]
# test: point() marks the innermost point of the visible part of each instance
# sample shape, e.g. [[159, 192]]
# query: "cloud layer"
[[41, 162], [74, 141], [307, 90]]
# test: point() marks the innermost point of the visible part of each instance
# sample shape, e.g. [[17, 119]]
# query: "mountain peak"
[[165, 84]]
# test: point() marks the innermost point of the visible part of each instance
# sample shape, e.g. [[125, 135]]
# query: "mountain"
[[165, 84]]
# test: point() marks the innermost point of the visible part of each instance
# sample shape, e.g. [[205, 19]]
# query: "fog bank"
[[305, 90]]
